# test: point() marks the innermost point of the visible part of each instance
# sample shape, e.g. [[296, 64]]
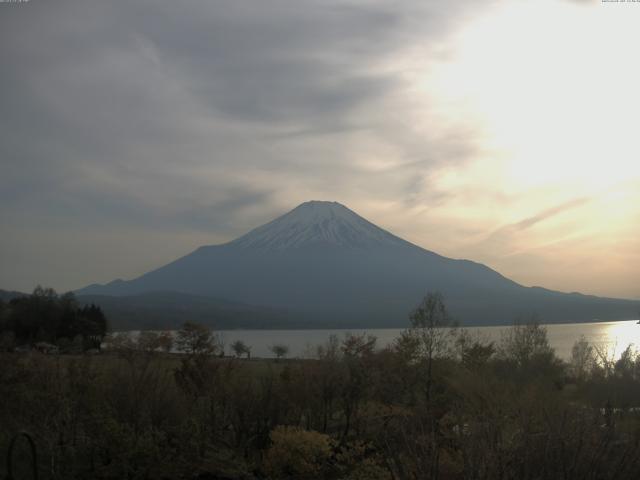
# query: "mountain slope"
[[169, 310], [326, 262], [7, 295]]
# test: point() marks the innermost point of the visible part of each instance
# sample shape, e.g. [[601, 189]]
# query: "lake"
[[612, 337]]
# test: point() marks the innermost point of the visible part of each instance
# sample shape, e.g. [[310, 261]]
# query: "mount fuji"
[[323, 264]]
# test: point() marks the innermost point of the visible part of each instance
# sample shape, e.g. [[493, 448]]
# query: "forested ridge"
[[44, 317]]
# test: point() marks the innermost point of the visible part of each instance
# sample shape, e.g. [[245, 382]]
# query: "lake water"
[[612, 337]]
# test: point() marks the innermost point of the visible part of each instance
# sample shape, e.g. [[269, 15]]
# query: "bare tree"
[[434, 331], [148, 341], [240, 348], [196, 339], [165, 341], [526, 342], [583, 359], [279, 350], [357, 351]]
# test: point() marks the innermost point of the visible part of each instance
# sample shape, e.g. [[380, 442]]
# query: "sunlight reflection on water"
[[610, 337]]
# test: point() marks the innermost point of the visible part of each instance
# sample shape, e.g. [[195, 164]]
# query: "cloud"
[[506, 240], [546, 214], [209, 117], [131, 134]]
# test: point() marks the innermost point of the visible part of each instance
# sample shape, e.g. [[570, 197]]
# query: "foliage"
[[296, 453], [46, 317], [353, 412]]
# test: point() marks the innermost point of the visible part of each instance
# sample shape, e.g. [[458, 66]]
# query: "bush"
[[296, 453]]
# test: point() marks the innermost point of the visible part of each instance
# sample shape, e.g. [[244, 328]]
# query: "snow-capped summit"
[[317, 223]]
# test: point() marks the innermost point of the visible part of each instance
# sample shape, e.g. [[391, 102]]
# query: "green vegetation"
[[47, 320], [437, 404]]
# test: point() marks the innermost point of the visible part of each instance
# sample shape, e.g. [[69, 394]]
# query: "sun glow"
[[549, 92], [555, 87]]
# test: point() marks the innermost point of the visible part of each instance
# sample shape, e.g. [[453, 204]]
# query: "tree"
[[626, 367], [357, 353], [165, 341], [525, 343], [527, 354], [582, 360], [92, 324], [7, 341], [120, 341], [434, 330], [279, 350], [240, 348], [45, 316], [477, 354], [326, 377], [148, 341], [196, 339]]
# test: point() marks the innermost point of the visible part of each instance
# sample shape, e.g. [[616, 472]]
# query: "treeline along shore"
[[436, 404]]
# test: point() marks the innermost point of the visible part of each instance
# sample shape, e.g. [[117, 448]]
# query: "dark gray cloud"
[[206, 116]]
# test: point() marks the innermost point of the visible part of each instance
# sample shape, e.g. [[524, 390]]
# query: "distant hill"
[[332, 267], [6, 295], [169, 310]]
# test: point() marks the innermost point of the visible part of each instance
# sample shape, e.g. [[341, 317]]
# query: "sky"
[[505, 132]]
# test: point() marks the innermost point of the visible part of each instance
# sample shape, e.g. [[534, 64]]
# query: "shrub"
[[297, 453]]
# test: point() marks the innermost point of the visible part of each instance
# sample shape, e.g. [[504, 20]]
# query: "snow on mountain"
[[317, 223]]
